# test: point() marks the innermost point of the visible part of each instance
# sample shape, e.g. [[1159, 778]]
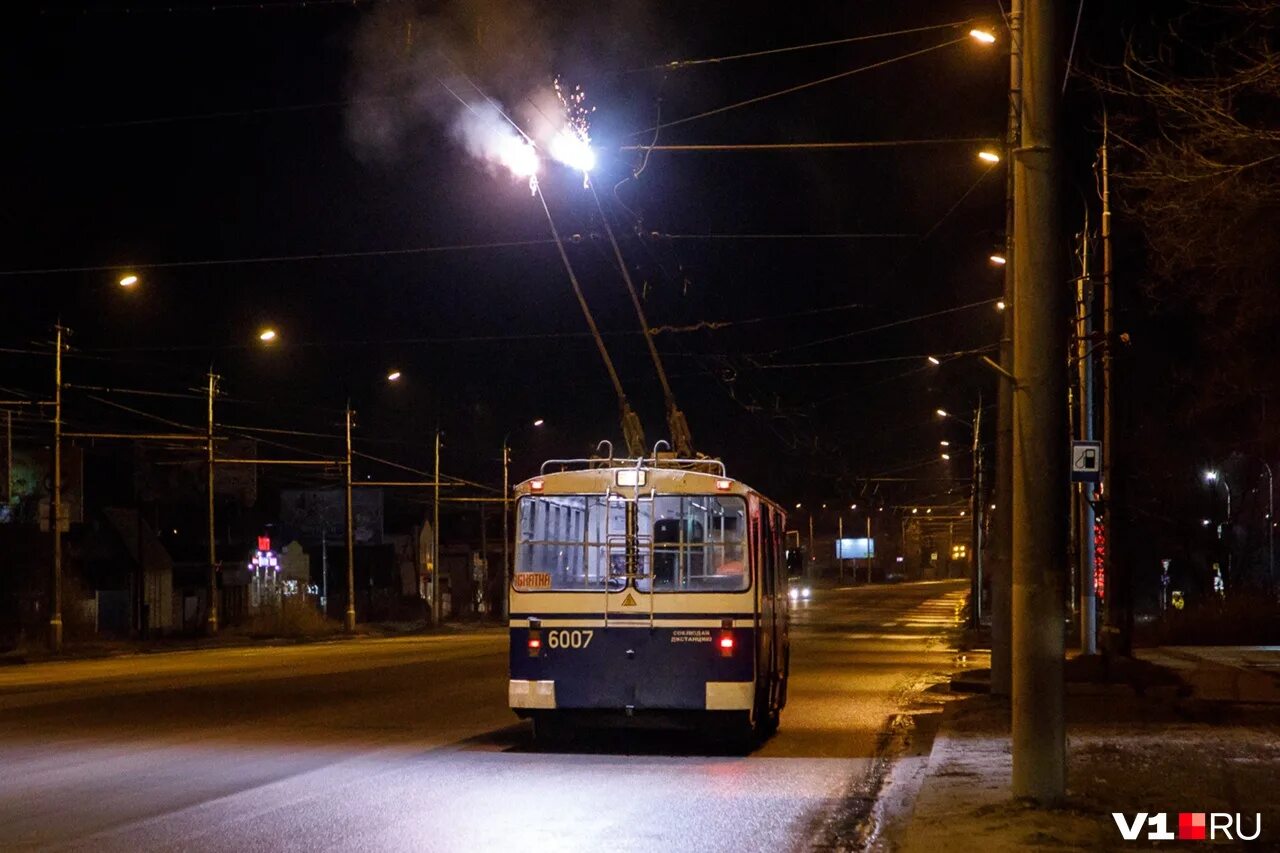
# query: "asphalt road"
[[407, 744]]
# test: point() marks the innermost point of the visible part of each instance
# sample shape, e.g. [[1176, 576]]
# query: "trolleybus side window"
[[699, 543]]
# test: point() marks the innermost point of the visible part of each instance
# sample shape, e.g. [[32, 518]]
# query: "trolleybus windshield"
[[693, 543]]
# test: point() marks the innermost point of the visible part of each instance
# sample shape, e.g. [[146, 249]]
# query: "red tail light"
[[726, 644], [535, 643]]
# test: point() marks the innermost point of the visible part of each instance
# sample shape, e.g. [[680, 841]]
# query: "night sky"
[[139, 136]]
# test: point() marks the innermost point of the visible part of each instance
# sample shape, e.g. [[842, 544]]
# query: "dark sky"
[[139, 136]]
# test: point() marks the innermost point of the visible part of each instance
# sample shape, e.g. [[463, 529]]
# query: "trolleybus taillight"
[[726, 644], [535, 643]]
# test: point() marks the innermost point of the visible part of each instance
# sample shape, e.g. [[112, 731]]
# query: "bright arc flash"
[[983, 36], [570, 149], [519, 157]]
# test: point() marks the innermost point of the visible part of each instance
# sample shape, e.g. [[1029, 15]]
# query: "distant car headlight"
[[793, 593], [806, 592]]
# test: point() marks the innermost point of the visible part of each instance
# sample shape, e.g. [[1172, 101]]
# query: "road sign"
[[1086, 461]]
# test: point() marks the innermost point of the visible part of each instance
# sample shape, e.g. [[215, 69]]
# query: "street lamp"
[[934, 360], [506, 514], [393, 376], [982, 36], [988, 156], [128, 280], [1212, 476], [267, 335], [999, 260]]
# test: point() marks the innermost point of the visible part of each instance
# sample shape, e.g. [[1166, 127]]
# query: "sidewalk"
[[1149, 745]]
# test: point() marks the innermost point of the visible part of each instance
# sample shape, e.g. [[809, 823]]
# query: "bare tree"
[[1196, 115]]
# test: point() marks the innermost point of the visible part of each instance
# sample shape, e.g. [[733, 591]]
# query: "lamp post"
[[975, 520], [1212, 476], [506, 518]]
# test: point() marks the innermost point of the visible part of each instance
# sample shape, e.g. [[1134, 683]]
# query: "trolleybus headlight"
[[793, 593], [806, 592]]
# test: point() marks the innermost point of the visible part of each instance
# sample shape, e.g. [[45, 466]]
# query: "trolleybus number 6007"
[[569, 639]]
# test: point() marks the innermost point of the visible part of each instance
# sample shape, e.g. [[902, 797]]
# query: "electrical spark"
[[572, 143]]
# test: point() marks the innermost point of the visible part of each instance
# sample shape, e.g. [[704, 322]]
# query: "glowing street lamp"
[[539, 422], [267, 335], [934, 361], [946, 456], [989, 157], [982, 36], [999, 260], [942, 413], [944, 443], [1000, 305], [128, 280], [393, 376]]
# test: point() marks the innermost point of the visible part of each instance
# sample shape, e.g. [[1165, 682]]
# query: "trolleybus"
[[647, 590]]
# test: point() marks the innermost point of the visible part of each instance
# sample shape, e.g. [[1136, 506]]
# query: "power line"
[[890, 325], [792, 89], [867, 361], [810, 146], [680, 64]]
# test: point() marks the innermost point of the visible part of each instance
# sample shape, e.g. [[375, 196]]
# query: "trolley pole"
[[350, 620], [55, 498], [1039, 430], [1002, 519], [213, 555]]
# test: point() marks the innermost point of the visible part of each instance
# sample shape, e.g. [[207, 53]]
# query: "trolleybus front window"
[[699, 543]]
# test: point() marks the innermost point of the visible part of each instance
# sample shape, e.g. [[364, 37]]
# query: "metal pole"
[[869, 547], [506, 529], [435, 541], [1271, 527], [8, 457], [808, 569], [1116, 592], [1085, 523], [350, 620], [1002, 521], [1039, 431], [55, 499], [209, 484], [840, 545], [324, 572], [975, 559]]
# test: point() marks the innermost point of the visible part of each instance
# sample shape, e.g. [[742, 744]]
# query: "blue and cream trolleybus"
[[647, 590]]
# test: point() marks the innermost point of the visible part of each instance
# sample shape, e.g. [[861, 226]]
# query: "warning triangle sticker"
[[629, 601]]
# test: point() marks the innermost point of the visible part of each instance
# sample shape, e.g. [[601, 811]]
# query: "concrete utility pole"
[[1002, 518], [350, 621], [213, 555], [435, 541], [975, 536], [1039, 429], [55, 498], [506, 528]]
